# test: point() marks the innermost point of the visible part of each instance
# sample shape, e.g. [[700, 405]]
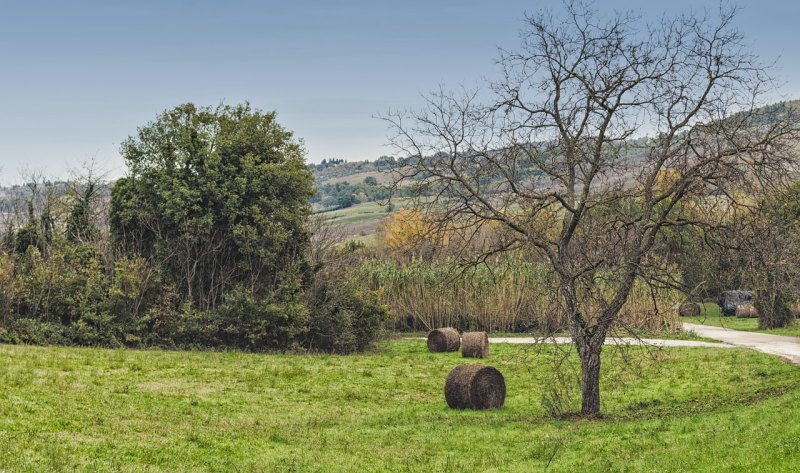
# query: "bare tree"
[[87, 197], [35, 211], [597, 133]]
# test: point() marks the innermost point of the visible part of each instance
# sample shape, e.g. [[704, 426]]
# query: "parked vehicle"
[[728, 300]]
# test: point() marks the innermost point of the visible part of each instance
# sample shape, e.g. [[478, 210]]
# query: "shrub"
[[95, 330], [249, 323], [133, 287], [33, 332], [344, 317]]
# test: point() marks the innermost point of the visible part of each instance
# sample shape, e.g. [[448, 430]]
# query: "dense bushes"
[[73, 298], [77, 295], [276, 321], [345, 317]]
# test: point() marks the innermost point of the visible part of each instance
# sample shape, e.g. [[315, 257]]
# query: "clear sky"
[[78, 77]]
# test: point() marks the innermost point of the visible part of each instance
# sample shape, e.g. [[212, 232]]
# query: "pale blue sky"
[[78, 77]]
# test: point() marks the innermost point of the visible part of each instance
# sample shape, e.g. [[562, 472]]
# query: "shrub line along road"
[[783, 346]]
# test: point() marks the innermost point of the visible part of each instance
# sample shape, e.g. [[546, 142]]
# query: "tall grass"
[[510, 296]]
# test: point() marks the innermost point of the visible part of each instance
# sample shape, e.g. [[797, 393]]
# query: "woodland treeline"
[[209, 242]]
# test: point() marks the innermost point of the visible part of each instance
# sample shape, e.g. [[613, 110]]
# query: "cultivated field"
[[122, 410], [362, 220]]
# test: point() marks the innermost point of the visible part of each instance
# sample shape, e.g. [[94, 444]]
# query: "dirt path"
[[785, 347], [656, 342], [782, 346]]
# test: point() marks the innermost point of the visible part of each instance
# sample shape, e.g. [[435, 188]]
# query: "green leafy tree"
[[218, 197]]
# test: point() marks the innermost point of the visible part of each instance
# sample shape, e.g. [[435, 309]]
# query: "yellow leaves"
[[666, 178], [409, 229], [414, 231], [6, 272], [547, 222]]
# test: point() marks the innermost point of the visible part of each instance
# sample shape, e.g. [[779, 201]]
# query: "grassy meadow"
[[367, 211], [361, 222], [684, 409]]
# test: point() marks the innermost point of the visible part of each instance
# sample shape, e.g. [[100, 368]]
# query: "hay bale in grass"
[[746, 311], [443, 340], [474, 387], [474, 345], [689, 309]]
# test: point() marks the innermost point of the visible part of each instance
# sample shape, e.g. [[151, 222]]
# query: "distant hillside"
[[341, 184], [343, 171], [352, 194]]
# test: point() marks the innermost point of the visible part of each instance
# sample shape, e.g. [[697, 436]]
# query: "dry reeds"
[[474, 387], [511, 296], [444, 340], [474, 345], [423, 295]]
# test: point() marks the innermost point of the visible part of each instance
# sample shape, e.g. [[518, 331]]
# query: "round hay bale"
[[443, 340], [746, 311], [474, 387], [689, 309], [474, 345]]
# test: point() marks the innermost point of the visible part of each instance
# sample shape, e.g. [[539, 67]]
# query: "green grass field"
[[711, 316], [122, 410], [368, 211], [357, 213]]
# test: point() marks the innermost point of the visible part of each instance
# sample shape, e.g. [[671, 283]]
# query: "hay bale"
[[474, 387], [474, 345], [689, 309], [746, 311], [443, 340]]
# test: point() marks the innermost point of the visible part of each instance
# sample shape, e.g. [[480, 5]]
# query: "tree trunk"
[[589, 351], [773, 302]]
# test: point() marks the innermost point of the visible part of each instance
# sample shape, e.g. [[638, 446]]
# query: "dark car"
[[728, 300]]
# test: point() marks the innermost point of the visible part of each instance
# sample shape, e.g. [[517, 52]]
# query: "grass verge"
[[711, 315]]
